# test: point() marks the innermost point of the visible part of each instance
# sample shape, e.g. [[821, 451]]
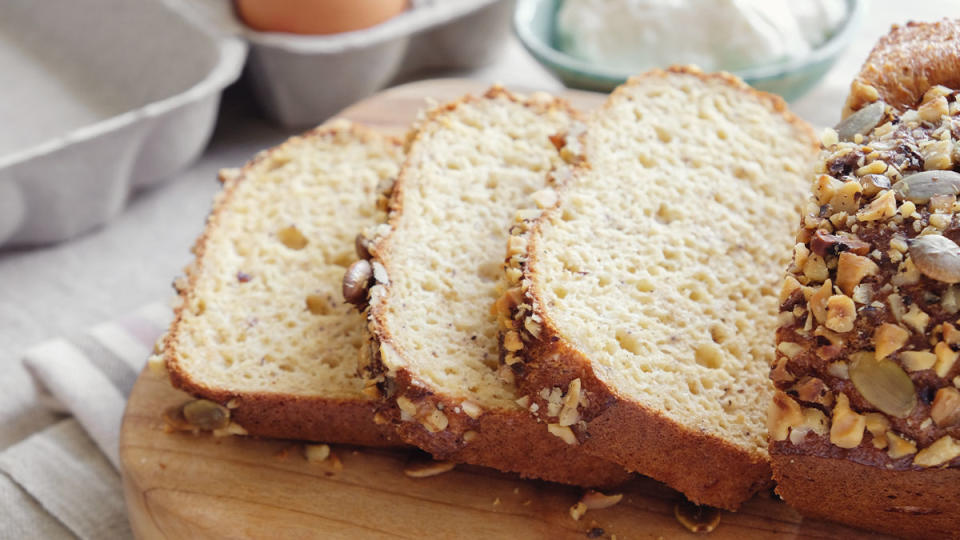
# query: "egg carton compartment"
[[301, 80], [98, 103]]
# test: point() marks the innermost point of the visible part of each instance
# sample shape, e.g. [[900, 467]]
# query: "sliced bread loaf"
[[865, 425], [437, 263], [262, 328], [642, 305]]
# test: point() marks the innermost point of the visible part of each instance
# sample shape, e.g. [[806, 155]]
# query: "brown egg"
[[316, 16]]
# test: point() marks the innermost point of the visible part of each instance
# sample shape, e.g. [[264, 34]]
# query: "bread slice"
[[865, 426], [641, 307], [262, 327], [470, 165]]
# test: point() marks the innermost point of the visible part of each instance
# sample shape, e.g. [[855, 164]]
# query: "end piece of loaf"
[[470, 165], [262, 327], [905, 63], [865, 425], [642, 306]]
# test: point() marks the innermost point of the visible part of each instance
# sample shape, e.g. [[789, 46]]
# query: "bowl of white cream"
[[780, 46]]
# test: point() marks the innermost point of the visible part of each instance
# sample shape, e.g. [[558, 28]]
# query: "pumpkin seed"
[[920, 187], [883, 383], [862, 121], [937, 257], [205, 414]]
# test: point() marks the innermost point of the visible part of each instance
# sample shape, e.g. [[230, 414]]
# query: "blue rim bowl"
[[534, 24]]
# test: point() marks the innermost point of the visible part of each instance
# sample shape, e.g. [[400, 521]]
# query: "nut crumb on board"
[[425, 468], [697, 518]]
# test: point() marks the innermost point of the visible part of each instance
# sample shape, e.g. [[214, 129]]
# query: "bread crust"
[[912, 504], [507, 440], [905, 63], [708, 470], [279, 415]]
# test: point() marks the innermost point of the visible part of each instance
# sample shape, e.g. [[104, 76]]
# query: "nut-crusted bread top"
[[262, 310], [645, 301], [867, 347], [474, 163]]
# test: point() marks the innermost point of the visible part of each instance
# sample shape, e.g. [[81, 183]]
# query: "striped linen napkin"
[[88, 377]]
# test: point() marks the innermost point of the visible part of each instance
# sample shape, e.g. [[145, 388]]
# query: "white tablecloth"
[[71, 487]]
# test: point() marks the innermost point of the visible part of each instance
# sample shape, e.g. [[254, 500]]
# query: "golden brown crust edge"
[[706, 469], [870, 498], [267, 414], [506, 440], [907, 62]]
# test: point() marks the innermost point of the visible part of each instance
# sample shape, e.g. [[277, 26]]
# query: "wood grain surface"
[[180, 485]]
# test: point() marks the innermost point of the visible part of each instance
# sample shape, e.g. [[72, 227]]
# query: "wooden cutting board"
[[180, 485]]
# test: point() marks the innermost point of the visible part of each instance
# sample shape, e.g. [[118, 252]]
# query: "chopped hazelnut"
[[889, 338], [563, 432], [950, 334], [915, 318], [818, 301], [825, 187], [841, 313], [878, 425], [840, 370], [813, 420], [790, 284], [945, 410], [851, 269], [917, 360], [782, 414], [815, 268], [800, 254], [316, 452], [824, 244], [847, 197], [813, 390], [899, 446], [790, 349], [932, 110], [882, 207], [511, 341], [946, 357], [779, 373], [847, 428], [941, 451]]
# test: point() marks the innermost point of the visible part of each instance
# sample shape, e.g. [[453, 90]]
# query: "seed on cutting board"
[[697, 518], [861, 122], [205, 414], [918, 188], [936, 257]]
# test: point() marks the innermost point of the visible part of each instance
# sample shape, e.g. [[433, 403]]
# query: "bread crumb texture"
[[468, 172], [264, 311], [661, 262]]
